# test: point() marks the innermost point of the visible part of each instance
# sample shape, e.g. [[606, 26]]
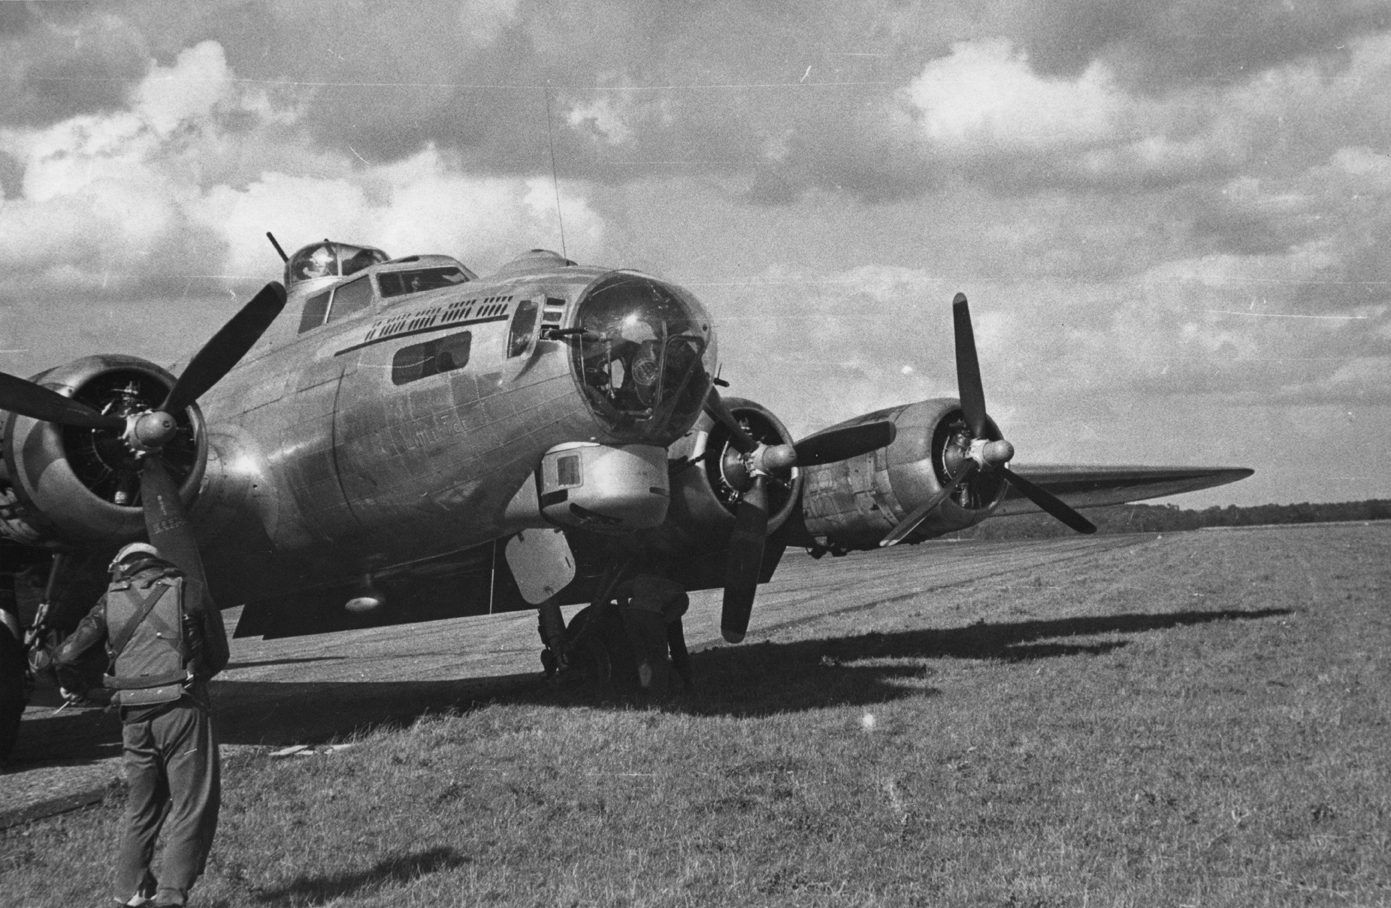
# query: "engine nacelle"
[[603, 488], [854, 503], [67, 486], [704, 496]]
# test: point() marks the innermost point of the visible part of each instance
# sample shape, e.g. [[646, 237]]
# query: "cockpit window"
[[315, 308], [360, 259], [329, 259], [312, 262], [399, 283], [350, 299]]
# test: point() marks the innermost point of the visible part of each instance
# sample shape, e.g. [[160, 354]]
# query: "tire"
[[599, 649]]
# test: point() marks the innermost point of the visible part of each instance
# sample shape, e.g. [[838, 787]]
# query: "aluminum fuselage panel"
[[323, 467]]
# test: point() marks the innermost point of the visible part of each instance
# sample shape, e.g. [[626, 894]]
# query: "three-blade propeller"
[[983, 453], [760, 463], [146, 433]]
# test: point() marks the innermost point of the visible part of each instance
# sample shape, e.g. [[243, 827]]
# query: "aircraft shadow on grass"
[[397, 869], [773, 678], [269, 712], [762, 679], [257, 663]]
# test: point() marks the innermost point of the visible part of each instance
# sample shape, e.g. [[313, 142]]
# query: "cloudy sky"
[[1172, 217]]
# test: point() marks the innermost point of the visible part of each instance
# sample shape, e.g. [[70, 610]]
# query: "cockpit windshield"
[[418, 280], [646, 352], [329, 259]]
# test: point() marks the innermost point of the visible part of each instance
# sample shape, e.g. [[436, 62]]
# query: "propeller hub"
[[775, 458], [764, 460], [151, 431], [997, 453], [988, 454]]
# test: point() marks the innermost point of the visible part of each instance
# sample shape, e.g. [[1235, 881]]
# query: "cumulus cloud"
[[1144, 200], [1228, 327], [985, 96], [103, 204], [147, 197], [985, 112], [59, 60], [1158, 46], [417, 205], [603, 118]]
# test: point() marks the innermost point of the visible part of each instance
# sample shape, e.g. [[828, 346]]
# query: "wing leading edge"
[[1095, 487]]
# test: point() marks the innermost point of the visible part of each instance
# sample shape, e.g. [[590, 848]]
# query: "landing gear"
[[621, 651], [680, 658], [551, 626], [630, 639], [592, 651]]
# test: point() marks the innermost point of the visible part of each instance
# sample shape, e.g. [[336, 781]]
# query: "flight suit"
[[171, 755]]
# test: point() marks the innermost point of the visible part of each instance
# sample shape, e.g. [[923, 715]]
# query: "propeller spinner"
[[980, 452], [146, 433], [751, 465]]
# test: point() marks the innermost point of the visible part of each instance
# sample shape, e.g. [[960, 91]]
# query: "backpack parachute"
[[145, 624]]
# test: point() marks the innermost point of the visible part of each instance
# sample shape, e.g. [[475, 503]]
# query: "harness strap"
[[147, 605], [144, 681]]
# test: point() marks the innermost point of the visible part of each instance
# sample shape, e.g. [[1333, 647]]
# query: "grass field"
[[1202, 719]]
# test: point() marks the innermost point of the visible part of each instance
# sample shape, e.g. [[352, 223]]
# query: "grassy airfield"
[[1199, 719]]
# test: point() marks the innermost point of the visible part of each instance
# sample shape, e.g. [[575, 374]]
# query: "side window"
[[315, 308], [419, 361], [399, 283], [523, 326], [350, 299]]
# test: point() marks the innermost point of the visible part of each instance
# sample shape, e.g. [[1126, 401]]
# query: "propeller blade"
[[842, 444], [226, 348], [743, 441], [745, 560], [18, 395], [968, 383], [1049, 502], [166, 521], [919, 514]]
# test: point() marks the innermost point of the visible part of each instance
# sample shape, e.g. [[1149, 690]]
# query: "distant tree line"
[[1168, 518]]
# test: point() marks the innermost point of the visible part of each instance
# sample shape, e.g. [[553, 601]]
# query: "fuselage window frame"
[[356, 296], [315, 310], [523, 329], [404, 283], [433, 357]]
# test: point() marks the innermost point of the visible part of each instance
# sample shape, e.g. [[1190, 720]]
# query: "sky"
[[1171, 217]]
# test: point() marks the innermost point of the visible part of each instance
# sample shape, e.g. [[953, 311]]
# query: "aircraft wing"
[[1098, 486]]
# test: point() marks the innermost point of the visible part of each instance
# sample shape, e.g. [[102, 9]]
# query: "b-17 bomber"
[[410, 441]]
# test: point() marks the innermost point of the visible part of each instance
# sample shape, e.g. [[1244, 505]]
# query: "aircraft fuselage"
[[404, 432]]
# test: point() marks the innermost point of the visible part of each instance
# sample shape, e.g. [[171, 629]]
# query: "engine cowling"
[[76, 487], [854, 503], [706, 485]]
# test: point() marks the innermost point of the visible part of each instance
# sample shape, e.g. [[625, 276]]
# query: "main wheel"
[[598, 649]]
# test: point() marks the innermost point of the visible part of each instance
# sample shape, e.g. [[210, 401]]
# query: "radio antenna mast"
[[555, 176]]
